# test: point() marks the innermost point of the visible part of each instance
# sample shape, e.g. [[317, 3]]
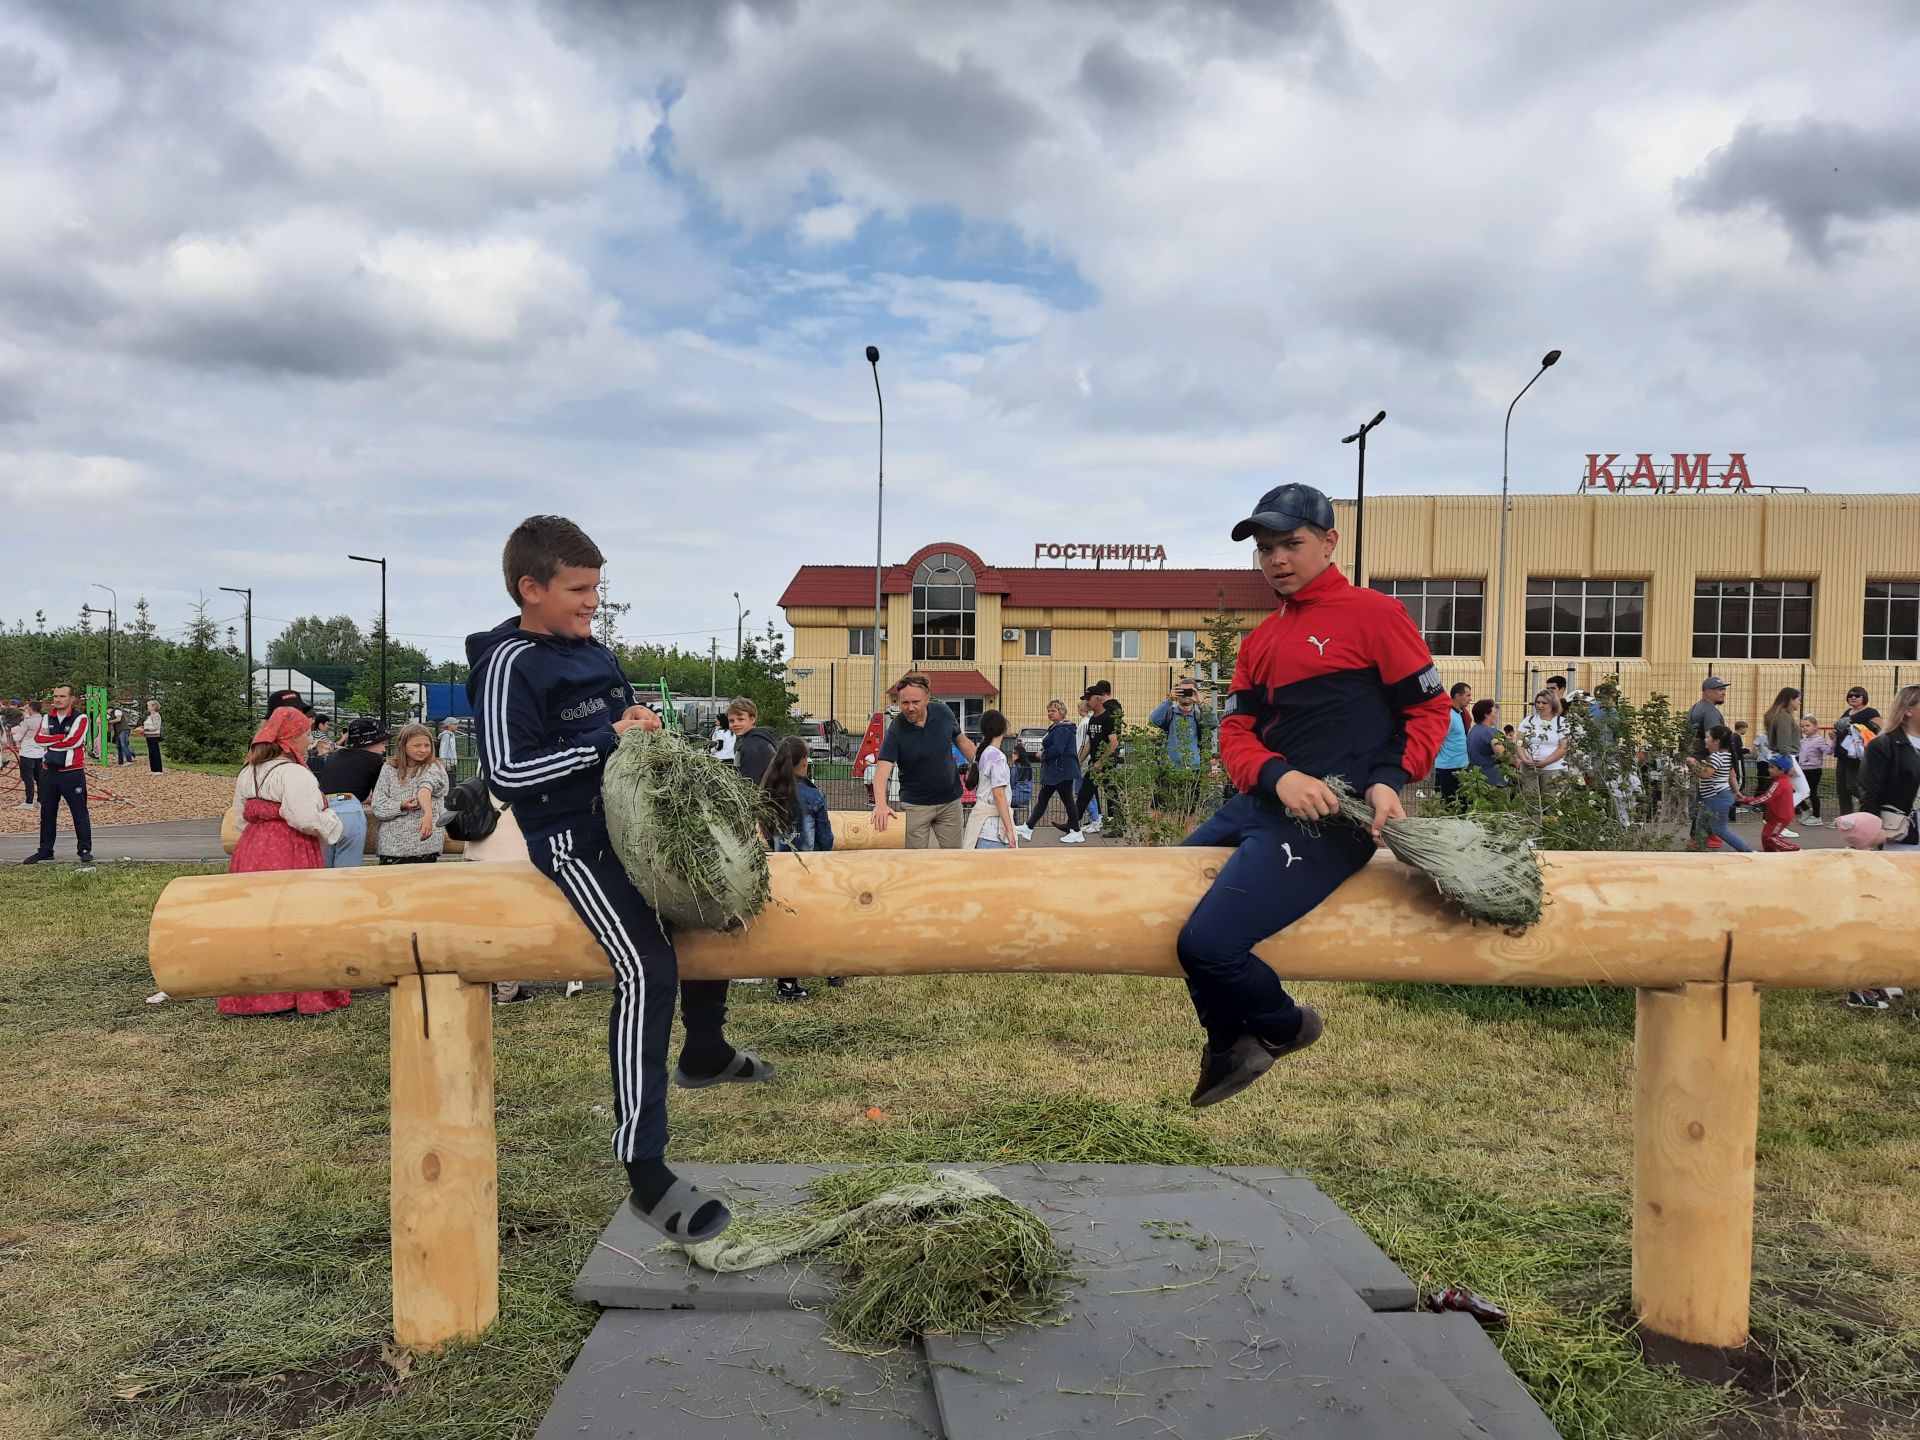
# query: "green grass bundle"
[[687, 831], [920, 1252], [1483, 865]]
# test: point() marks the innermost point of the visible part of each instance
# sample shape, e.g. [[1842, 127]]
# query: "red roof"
[[959, 682], [1039, 587]]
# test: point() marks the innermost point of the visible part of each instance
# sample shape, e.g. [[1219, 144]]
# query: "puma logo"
[[1291, 857], [1319, 644]]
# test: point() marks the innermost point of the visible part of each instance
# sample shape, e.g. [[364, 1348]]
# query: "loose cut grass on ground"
[[193, 1211]]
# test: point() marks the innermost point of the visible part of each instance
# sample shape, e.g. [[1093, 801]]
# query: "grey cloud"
[[1123, 83], [1809, 175], [152, 28], [21, 76], [879, 100], [698, 26], [314, 336]]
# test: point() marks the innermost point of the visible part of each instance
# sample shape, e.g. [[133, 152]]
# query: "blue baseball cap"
[[1287, 507], [1784, 763]]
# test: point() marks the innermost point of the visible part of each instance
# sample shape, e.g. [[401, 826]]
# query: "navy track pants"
[[580, 860], [1281, 869], [71, 786]]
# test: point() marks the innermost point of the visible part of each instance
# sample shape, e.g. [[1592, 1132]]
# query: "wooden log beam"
[[444, 1194], [853, 830], [1696, 1115], [1637, 920]]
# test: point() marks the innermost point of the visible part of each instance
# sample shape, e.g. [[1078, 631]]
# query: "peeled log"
[[1620, 919], [853, 830]]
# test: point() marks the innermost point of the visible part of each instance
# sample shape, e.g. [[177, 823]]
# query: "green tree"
[[1216, 651], [206, 705], [310, 643], [138, 668]]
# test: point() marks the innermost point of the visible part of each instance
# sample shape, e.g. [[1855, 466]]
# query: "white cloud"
[[826, 225]]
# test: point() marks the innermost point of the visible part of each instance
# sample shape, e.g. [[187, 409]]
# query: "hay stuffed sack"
[[687, 831]]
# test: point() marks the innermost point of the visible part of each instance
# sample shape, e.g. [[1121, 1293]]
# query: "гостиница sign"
[[1686, 472], [1079, 550]]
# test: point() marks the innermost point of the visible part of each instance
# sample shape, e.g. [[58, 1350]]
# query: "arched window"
[[943, 609]]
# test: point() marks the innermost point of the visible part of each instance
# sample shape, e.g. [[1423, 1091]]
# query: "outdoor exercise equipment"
[[1698, 935], [97, 725]]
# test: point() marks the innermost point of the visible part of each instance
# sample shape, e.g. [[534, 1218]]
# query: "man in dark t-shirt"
[[1103, 748], [920, 742], [347, 778]]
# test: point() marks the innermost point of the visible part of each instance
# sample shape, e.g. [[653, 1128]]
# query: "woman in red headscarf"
[[284, 824]]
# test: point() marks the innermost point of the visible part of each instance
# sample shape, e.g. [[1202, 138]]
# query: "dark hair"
[[1559, 680], [992, 726], [66, 685], [1482, 709], [1785, 698], [1860, 690], [1720, 736], [540, 545], [781, 785], [1459, 685]]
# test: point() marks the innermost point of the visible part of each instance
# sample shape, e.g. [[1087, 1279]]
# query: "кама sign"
[[1687, 472]]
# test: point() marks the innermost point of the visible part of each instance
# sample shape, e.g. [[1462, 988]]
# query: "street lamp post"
[[1360, 501], [113, 615], [96, 610], [382, 563], [879, 518], [739, 629], [1547, 362], [248, 594]]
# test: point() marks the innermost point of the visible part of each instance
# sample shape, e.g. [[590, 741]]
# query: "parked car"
[[1030, 738], [819, 737]]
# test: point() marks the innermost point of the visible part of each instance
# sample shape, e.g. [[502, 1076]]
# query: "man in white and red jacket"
[[63, 775], [1336, 682]]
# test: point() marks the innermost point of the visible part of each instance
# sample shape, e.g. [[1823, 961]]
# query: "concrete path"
[[179, 841]]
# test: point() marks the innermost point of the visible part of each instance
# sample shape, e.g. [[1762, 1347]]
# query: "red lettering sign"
[[1736, 466], [1690, 472], [1642, 477], [1600, 472]]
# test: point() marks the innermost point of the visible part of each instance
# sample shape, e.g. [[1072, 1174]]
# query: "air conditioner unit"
[[1009, 634]]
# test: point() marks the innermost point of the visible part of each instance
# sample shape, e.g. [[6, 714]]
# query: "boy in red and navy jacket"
[[1337, 681], [1776, 806], [63, 776]]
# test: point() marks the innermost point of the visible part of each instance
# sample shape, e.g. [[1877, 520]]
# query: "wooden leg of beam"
[[445, 1198], [1696, 1111]]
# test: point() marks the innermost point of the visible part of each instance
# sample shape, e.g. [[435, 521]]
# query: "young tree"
[[140, 653], [1217, 648], [310, 643], [206, 706]]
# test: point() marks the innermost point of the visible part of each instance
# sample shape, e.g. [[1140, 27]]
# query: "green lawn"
[[193, 1211]]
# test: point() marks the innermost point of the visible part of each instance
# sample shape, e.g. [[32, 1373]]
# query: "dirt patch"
[[286, 1402], [127, 795]]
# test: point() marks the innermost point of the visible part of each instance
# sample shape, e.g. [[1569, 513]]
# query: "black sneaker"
[[1868, 1000], [86, 857], [790, 990], [1225, 1074], [36, 859]]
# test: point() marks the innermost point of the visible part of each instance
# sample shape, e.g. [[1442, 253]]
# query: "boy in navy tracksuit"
[[1337, 681], [549, 704]]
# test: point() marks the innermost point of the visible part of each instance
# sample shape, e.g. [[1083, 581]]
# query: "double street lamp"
[[384, 694], [248, 594], [879, 518], [113, 614], [1547, 362]]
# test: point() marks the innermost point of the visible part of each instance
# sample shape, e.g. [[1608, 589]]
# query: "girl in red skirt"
[[284, 824]]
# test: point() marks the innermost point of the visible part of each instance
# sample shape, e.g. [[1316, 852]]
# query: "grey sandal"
[[746, 1068], [672, 1214]]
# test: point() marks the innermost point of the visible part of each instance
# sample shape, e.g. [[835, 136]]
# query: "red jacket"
[[1776, 802], [65, 737], [1337, 681]]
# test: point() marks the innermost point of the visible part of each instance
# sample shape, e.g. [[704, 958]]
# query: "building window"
[[1597, 619], [1180, 644], [943, 609], [1753, 619], [1126, 644], [1892, 630], [1448, 613], [1039, 642], [860, 640]]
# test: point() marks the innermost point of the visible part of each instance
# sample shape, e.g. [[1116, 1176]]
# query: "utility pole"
[[713, 664], [248, 594]]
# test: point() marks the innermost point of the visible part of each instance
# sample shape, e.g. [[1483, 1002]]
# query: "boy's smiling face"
[[564, 606]]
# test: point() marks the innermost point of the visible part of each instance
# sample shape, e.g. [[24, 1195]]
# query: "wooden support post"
[[445, 1195], [1696, 1113]]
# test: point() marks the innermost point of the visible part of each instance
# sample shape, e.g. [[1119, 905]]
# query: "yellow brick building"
[[1820, 592]]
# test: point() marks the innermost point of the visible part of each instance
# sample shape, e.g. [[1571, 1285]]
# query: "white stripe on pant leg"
[[613, 937], [637, 1017], [624, 1053]]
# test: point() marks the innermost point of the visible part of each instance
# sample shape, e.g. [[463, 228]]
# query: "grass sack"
[[687, 831], [920, 1252], [1484, 866]]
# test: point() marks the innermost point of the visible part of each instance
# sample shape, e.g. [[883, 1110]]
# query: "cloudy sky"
[[281, 282]]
